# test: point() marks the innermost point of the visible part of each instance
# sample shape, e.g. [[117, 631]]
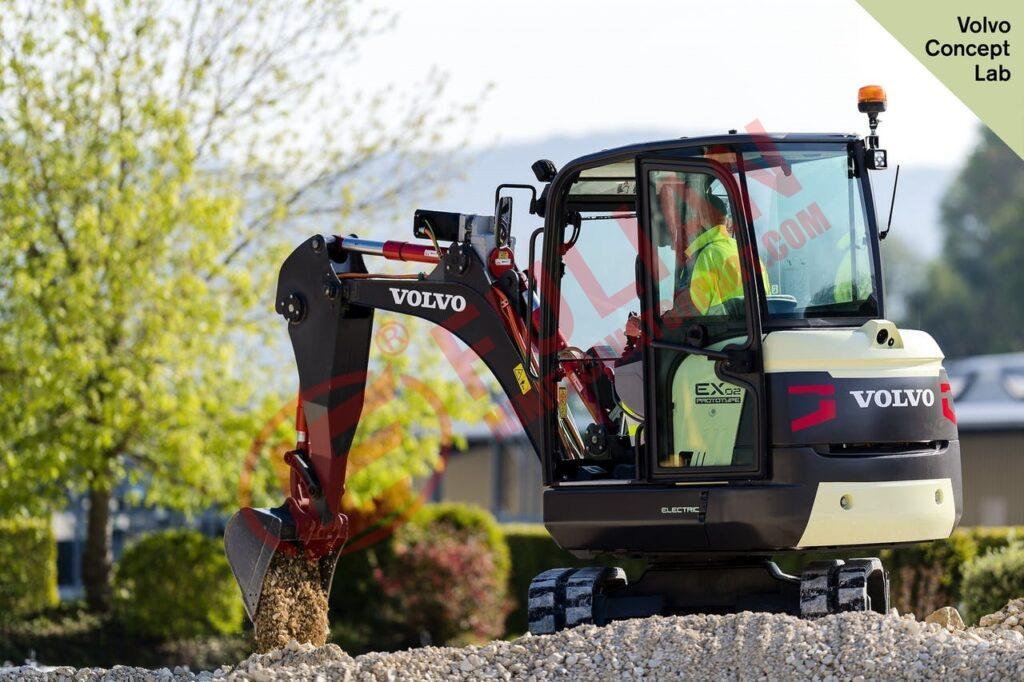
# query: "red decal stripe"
[[947, 404], [826, 408], [815, 389]]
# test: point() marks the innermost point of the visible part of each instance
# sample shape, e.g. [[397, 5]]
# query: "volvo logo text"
[[905, 397], [428, 299]]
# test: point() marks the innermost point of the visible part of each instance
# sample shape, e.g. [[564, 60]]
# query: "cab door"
[[704, 398]]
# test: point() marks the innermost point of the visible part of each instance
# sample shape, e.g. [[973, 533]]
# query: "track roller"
[[838, 586], [863, 585], [566, 597]]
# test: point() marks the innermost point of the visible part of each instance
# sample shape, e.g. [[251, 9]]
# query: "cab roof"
[[637, 149], [606, 180]]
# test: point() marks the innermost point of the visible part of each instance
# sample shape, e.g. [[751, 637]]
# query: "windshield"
[[811, 233]]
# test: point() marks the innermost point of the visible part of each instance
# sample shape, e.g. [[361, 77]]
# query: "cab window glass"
[[701, 303], [600, 395], [811, 233], [693, 225]]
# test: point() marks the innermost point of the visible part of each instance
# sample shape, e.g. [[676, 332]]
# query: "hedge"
[[69, 634], [930, 575], [28, 566], [393, 590], [176, 584], [358, 623], [470, 519]]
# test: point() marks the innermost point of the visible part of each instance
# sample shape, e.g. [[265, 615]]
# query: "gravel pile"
[[741, 646], [1010, 617]]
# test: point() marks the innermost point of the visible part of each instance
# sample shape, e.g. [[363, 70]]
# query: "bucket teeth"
[[251, 538]]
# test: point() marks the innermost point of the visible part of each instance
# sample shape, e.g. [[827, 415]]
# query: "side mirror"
[[544, 170], [503, 221]]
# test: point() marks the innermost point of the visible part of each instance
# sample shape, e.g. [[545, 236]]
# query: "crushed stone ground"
[[293, 604], [853, 646], [1010, 617]]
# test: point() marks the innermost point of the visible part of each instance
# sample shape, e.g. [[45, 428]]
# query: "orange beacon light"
[[871, 99]]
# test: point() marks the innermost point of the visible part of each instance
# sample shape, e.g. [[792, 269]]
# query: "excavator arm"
[[328, 298]]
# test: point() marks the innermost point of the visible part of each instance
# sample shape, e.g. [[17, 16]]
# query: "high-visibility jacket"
[[712, 272], [843, 290]]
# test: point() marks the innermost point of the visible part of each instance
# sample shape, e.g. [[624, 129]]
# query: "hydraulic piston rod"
[[391, 250]]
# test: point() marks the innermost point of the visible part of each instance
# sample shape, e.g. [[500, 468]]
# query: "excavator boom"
[[328, 298]]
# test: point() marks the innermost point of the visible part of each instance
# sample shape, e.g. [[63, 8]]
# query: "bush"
[[176, 584], [928, 576], [469, 520], [533, 551], [987, 539], [924, 576], [69, 634], [358, 623], [28, 566], [448, 578], [991, 580]]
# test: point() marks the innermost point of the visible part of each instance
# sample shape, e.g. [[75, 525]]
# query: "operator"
[[843, 291], [711, 271]]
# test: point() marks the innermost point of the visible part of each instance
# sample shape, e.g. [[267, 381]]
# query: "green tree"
[[157, 160], [902, 269], [969, 299]]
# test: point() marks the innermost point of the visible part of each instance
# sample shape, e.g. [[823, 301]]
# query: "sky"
[[573, 67]]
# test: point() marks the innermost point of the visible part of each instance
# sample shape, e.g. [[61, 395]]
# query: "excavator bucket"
[[251, 539], [254, 537]]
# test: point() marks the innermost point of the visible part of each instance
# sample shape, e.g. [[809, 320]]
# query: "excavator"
[[750, 398]]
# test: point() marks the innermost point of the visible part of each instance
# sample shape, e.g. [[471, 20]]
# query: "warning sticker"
[[524, 381]]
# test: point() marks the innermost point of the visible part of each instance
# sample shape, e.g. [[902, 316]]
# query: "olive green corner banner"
[[975, 47]]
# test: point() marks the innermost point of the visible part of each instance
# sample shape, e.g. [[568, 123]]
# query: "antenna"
[[892, 203]]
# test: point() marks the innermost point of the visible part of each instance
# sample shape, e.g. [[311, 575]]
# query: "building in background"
[[988, 391], [128, 521], [501, 475]]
